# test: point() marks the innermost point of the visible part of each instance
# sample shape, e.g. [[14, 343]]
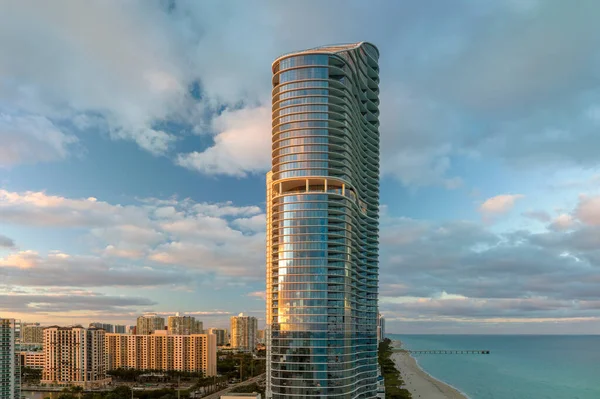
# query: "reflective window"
[[298, 117], [313, 59], [301, 108], [303, 73], [306, 92], [304, 100], [305, 124], [304, 140]]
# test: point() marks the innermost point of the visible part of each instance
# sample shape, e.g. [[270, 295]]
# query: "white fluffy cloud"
[[163, 238], [588, 210], [242, 145], [31, 139], [126, 67], [499, 204], [104, 58]]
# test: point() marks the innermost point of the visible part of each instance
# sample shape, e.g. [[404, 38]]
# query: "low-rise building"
[[254, 395], [34, 360]]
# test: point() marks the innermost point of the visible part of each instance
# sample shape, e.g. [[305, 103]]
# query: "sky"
[[135, 137]]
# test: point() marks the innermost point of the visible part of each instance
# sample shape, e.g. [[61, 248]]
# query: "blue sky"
[[134, 138]]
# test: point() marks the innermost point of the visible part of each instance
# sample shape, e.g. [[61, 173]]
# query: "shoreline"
[[420, 383]]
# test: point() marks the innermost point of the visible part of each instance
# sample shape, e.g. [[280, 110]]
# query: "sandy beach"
[[419, 383]]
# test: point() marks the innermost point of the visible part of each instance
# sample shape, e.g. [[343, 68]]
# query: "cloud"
[[206, 239], [540, 216], [562, 222], [435, 108], [457, 272], [31, 139], [20, 260], [39, 209], [499, 204], [588, 210], [258, 294], [242, 145], [72, 63], [60, 302], [6, 242], [256, 223], [29, 268]]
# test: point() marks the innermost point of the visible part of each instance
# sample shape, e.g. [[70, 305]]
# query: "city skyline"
[[134, 139]]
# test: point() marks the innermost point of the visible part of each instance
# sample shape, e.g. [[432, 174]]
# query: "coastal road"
[[217, 395]]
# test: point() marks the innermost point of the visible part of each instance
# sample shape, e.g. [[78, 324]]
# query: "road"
[[217, 395]]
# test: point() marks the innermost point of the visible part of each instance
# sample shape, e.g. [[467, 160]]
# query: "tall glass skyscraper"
[[322, 224]]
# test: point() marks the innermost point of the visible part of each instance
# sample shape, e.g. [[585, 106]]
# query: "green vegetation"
[[122, 392], [249, 388], [30, 376], [393, 380], [239, 365], [133, 375]]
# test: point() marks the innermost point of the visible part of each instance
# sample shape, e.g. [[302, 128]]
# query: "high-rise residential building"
[[184, 325], [74, 356], [220, 334], [32, 333], [10, 369], [119, 329], [260, 336], [148, 323], [322, 224], [109, 328], [380, 327], [243, 332], [195, 352]]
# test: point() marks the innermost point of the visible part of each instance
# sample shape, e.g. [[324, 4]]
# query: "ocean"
[[518, 367]]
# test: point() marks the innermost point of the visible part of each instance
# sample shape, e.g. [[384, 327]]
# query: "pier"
[[445, 351]]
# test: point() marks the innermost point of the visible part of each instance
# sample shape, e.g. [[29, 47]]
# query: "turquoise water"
[[519, 366]]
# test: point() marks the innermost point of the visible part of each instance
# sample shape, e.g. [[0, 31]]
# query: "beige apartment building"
[[192, 353], [148, 323], [221, 335], [243, 332], [74, 356], [34, 360], [184, 325], [32, 333]]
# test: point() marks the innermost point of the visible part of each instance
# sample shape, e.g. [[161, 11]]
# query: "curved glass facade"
[[322, 224]]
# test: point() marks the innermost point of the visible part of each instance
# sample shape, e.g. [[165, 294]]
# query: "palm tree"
[[78, 390]]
